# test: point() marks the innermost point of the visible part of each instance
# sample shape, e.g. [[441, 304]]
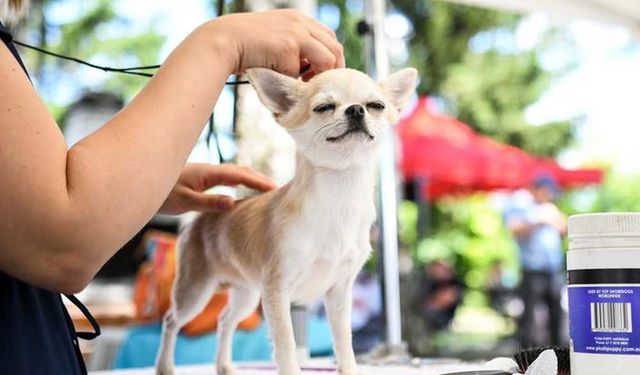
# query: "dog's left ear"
[[276, 91], [399, 86]]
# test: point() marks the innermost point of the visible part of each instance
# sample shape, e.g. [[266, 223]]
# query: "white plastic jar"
[[603, 266]]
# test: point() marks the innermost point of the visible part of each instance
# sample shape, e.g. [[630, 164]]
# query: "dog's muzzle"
[[355, 124], [359, 128]]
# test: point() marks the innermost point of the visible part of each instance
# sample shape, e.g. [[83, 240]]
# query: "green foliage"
[[491, 89], [80, 35], [95, 36], [347, 34], [543, 140], [618, 193], [442, 34], [493, 101], [468, 234]]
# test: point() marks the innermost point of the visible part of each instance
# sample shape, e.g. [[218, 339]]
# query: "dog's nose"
[[355, 111]]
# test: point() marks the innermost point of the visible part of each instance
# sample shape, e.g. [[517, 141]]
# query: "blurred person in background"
[[442, 294], [538, 227], [367, 320]]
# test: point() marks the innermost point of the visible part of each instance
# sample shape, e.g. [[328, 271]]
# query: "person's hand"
[[444, 298], [283, 40], [550, 214], [188, 193]]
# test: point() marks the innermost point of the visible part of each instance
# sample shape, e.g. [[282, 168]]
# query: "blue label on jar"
[[605, 319]]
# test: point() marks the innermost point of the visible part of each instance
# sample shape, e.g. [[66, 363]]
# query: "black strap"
[[90, 318], [5, 35], [7, 39]]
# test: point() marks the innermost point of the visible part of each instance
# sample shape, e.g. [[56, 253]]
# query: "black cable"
[[211, 132], [131, 70], [142, 67], [74, 59], [135, 71]]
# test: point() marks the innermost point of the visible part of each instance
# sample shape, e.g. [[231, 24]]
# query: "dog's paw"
[[349, 372], [291, 372], [225, 369], [165, 370]]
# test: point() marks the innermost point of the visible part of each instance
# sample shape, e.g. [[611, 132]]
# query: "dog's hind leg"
[[192, 289], [242, 301]]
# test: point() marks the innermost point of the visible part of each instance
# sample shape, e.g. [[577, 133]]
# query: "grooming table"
[[319, 368]]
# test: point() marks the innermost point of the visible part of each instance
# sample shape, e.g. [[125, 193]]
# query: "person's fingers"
[[328, 37], [285, 57], [288, 65], [333, 45], [320, 56], [329, 31], [232, 175], [207, 176], [317, 25]]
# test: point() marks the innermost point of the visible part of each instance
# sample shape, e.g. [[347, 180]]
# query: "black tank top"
[[36, 332]]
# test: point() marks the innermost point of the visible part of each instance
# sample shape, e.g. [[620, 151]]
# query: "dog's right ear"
[[276, 91]]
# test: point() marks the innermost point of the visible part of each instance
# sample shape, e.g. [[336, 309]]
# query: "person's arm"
[[516, 221], [66, 212], [562, 223], [521, 228]]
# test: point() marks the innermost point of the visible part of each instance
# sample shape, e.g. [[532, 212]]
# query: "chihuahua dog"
[[305, 240]]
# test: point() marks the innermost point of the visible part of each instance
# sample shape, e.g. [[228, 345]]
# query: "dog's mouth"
[[359, 130]]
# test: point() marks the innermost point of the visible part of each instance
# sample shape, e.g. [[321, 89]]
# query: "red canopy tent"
[[451, 158]]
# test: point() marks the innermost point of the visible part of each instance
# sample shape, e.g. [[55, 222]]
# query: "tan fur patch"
[[300, 113], [248, 228]]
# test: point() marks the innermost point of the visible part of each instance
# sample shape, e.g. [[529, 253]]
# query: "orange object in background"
[[152, 294]]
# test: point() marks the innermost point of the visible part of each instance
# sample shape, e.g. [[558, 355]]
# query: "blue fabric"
[[36, 336], [542, 250], [141, 345]]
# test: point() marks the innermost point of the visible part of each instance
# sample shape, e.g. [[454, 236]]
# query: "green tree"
[[491, 89], [94, 35]]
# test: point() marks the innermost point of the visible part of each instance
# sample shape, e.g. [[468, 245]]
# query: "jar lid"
[[605, 224]]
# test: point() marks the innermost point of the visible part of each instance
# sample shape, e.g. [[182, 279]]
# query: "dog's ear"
[[276, 91], [399, 86]]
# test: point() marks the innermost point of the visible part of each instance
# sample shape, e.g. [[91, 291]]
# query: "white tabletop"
[[263, 369]]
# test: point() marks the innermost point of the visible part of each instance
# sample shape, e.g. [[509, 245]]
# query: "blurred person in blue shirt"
[[538, 227]]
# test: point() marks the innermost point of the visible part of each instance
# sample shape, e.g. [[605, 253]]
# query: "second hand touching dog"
[[309, 238]]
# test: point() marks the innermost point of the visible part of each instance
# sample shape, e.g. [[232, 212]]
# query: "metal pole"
[[378, 68]]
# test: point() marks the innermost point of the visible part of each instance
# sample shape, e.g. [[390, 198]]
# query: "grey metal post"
[[378, 68]]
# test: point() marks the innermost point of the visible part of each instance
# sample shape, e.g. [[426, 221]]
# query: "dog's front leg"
[[277, 308], [338, 302]]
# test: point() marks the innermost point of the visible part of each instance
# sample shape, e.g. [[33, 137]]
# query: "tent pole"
[[378, 68]]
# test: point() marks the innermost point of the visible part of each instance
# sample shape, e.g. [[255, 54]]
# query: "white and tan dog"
[[307, 239]]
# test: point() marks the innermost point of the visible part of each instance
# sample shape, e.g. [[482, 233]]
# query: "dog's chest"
[[330, 242]]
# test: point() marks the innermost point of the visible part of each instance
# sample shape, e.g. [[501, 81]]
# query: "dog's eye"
[[376, 105], [324, 107]]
